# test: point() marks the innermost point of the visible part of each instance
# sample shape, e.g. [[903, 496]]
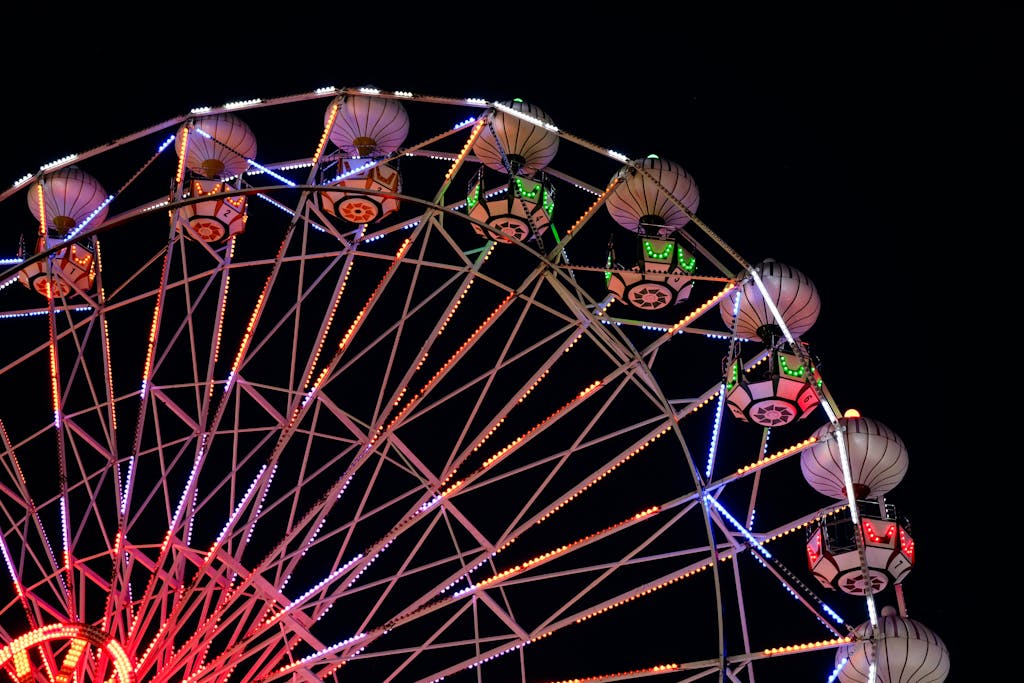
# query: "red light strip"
[[713, 301], [775, 456], [544, 557]]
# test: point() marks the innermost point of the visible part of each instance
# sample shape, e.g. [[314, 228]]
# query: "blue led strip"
[[757, 545]]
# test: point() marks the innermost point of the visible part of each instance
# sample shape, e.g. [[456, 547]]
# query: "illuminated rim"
[[50, 285], [108, 659], [207, 229], [650, 295], [773, 412], [358, 209], [511, 227], [855, 582], [337, 450]]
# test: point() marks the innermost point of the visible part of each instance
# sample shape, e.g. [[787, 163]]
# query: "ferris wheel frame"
[[342, 438]]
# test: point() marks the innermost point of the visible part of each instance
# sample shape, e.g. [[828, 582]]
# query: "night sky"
[[822, 142]]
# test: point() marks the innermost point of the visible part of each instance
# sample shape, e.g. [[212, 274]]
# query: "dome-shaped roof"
[[70, 196], [220, 147], [908, 652], [367, 126], [877, 457], [647, 200], [793, 294], [516, 144]]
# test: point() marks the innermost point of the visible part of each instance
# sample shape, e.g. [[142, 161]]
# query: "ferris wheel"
[[379, 386]]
